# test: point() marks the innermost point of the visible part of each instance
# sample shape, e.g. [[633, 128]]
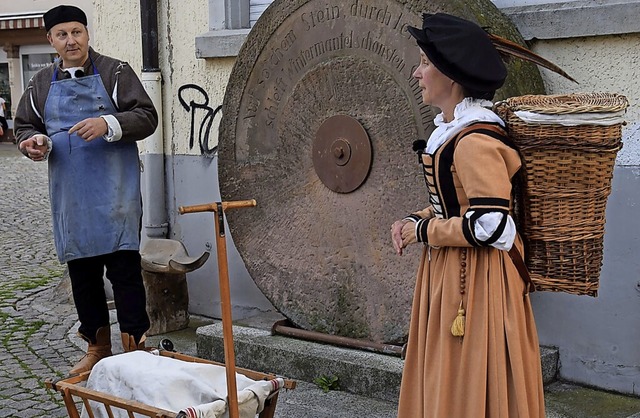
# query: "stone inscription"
[[317, 33]]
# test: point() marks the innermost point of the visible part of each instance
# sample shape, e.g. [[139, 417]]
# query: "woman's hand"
[[409, 234], [396, 235]]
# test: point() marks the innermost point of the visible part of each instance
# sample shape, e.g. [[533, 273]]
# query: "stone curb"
[[359, 372]]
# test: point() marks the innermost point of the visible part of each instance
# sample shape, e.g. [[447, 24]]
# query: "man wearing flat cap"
[[84, 114]]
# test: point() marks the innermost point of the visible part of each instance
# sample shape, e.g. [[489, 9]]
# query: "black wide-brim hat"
[[461, 50], [63, 14]]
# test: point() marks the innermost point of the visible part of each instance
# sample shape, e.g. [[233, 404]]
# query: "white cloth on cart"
[[197, 389]]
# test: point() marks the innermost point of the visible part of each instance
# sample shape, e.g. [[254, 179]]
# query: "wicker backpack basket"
[[561, 201]]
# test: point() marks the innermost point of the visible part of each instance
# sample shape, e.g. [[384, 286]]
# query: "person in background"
[[84, 114], [4, 126], [473, 348]]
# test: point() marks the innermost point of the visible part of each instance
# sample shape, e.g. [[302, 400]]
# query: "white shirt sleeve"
[[114, 132], [49, 143], [487, 224]]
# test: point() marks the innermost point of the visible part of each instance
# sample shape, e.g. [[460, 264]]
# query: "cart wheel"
[[166, 344]]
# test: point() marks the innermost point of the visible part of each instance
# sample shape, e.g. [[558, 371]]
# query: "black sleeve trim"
[[421, 230], [494, 202], [467, 228], [413, 217]]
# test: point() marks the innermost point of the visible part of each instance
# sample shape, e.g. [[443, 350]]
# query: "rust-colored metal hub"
[[342, 153]]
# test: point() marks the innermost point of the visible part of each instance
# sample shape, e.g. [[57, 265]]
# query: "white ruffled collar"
[[468, 111]]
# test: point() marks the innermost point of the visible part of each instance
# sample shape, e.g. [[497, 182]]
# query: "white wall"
[[119, 34], [600, 64], [191, 177], [10, 6], [594, 335]]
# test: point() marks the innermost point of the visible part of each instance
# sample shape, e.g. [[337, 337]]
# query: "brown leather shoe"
[[129, 342], [95, 352]]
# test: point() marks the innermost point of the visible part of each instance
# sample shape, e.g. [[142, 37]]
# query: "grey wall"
[[193, 180], [599, 338]]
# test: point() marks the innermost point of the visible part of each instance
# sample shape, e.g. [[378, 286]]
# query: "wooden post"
[[225, 294]]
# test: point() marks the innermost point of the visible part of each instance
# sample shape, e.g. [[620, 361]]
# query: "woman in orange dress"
[[473, 347]]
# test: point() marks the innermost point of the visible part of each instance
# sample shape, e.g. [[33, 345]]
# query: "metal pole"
[[281, 328], [155, 217]]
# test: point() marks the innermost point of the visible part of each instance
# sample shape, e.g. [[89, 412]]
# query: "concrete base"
[[363, 373], [549, 360]]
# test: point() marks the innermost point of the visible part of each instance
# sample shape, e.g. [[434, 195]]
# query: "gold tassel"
[[457, 328]]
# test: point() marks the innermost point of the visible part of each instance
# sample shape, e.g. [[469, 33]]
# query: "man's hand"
[[35, 147], [90, 129]]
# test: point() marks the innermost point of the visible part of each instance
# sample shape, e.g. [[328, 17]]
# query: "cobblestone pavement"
[[35, 316]]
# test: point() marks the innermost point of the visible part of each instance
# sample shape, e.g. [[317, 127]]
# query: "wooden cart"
[[74, 393], [73, 388]]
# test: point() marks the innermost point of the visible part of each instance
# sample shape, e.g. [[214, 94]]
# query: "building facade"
[[25, 49]]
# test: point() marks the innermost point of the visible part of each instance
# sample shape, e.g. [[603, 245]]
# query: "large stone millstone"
[[320, 114]]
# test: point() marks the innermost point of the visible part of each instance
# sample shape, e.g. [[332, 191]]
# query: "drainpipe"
[[155, 217]]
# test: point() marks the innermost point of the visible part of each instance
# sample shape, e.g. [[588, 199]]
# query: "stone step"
[[359, 372]]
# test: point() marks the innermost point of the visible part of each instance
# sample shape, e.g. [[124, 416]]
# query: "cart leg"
[[269, 407], [68, 402]]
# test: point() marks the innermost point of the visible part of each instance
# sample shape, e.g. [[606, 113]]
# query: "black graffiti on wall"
[[196, 101]]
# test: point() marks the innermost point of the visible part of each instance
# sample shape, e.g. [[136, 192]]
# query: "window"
[[229, 24], [256, 7], [32, 63]]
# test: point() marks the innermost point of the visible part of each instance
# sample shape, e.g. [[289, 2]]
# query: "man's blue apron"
[[94, 186]]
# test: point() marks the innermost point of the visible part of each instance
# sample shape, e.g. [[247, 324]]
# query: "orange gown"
[[494, 370]]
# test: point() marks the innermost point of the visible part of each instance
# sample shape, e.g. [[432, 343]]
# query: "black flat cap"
[[461, 50], [63, 14]]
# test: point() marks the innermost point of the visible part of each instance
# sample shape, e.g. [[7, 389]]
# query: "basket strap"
[[493, 130], [498, 132], [518, 261]]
